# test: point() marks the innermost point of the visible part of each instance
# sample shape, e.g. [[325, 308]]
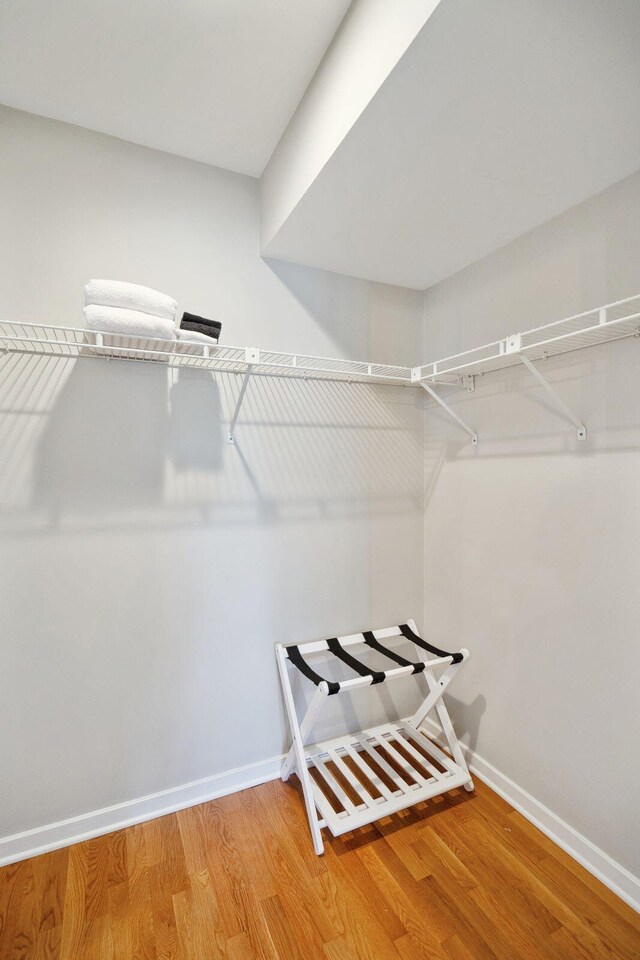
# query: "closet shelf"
[[71, 342], [615, 321]]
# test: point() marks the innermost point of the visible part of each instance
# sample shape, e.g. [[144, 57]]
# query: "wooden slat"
[[405, 742], [402, 761], [364, 816], [331, 817], [362, 792], [403, 787], [431, 748], [369, 772], [333, 785]]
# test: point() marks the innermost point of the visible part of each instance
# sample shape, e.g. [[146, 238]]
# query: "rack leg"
[[579, 425], [435, 694], [447, 729], [234, 419], [452, 413], [309, 719], [434, 700], [298, 750]]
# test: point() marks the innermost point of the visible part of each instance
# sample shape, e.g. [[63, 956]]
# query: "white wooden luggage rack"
[[386, 768]]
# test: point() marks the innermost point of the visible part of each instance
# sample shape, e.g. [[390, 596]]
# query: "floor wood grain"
[[461, 877]]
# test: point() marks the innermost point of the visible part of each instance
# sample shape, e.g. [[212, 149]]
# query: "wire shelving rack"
[[613, 321]]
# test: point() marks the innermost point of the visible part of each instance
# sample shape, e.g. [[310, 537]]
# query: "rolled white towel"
[[130, 323], [130, 296]]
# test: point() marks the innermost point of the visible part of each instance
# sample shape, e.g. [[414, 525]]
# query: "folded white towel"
[[130, 296], [195, 335], [128, 322]]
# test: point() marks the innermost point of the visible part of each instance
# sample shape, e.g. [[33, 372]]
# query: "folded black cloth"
[[191, 321], [208, 329]]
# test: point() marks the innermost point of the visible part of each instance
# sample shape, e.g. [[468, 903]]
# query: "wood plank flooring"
[[462, 877]]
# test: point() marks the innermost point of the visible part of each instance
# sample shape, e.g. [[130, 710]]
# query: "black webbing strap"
[[298, 661], [371, 641], [407, 632], [361, 668]]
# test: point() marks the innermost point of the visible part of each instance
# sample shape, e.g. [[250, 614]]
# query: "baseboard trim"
[[52, 836], [616, 877]]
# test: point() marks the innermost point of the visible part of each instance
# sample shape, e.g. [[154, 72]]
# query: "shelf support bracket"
[[452, 413], [245, 383], [579, 425], [251, 356]]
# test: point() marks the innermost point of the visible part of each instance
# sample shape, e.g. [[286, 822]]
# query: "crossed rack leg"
[[361, 777]]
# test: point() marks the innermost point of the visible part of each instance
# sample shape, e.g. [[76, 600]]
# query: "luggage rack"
[[352, 780]]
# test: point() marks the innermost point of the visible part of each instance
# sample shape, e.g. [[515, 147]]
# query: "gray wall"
[[532, 540], [146, 567]]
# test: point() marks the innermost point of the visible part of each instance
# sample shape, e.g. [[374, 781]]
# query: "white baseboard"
[[596, 861], [31, 843]]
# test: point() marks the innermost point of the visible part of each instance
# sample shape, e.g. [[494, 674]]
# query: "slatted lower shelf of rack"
[[361, 777]]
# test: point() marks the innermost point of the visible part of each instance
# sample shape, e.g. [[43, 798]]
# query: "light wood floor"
[[462, 877]]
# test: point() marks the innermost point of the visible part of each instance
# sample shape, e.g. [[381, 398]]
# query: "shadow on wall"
[[146, 444], [114, 427], [331, 304], [104, 444], [466, 718], [515, 418], [195, 438], [96, 447]]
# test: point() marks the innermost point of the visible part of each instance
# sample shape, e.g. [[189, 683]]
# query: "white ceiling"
[[502, 114], [213, 80]]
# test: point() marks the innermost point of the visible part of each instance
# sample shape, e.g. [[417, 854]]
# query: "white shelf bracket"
[[452, 413], [579, 425], [251, 356]]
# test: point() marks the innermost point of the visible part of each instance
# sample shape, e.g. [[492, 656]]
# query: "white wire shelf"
[[614, 321], [72, 342]]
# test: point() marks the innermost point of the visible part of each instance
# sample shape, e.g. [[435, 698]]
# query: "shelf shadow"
[[103, 443]]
